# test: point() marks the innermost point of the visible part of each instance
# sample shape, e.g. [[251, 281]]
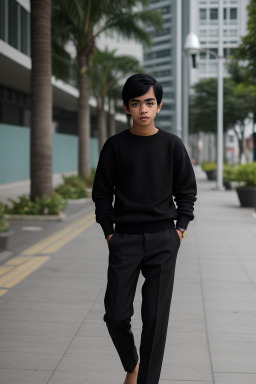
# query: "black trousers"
[[154, 254]]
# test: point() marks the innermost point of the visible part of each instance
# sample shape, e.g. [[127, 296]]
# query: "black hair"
[[139, 84]]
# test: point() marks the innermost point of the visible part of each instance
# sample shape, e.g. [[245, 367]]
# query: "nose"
[[143, 108]]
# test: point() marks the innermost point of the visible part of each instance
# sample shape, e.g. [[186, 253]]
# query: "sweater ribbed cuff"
[[107, 227], [182, 222]]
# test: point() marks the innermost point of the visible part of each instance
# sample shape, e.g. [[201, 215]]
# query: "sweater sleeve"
[[103, 189], [184, 185]]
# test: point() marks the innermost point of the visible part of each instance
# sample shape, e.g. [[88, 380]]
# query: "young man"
[[145, 168]]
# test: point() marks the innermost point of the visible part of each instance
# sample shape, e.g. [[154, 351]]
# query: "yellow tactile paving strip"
[[18, 268]]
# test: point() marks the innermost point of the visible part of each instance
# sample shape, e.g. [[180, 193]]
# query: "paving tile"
[[86, 377], [233, 352], [28, 360], [235, 378], [186, 357], [231, 322], [24, 376]]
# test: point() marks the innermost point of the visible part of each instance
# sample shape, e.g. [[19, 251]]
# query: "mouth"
[[144, 118]]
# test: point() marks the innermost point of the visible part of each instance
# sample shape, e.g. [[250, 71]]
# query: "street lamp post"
[[220, 102], [192, 47]]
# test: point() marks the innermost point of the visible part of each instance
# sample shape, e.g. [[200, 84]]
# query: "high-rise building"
[[165, 59], [207, 29], [204, 22], [158, 60]]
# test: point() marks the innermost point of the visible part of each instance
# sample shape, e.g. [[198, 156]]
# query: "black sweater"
[[144, 174]]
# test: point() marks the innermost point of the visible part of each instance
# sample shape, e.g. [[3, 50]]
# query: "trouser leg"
[[158, 268], [125, 256]]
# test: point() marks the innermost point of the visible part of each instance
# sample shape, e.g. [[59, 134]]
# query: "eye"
[[149, 104], [134, 105]]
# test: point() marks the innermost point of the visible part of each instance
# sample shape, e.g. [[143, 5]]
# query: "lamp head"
[[192, 44]]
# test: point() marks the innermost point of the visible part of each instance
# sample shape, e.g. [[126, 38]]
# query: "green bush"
[[209, 166], [90, 178], [229, 173], [51, 205], [74, 181], [73, 187], [246, 173], [69, 192], [4, 226]]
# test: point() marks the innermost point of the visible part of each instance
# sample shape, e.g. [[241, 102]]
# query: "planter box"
[[4, 239], [247, 196], [211, 175], [227, 185]]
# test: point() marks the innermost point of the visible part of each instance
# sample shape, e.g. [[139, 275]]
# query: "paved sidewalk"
[[51, 326]]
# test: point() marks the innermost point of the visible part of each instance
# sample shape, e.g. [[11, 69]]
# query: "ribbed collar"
[[143, 139]]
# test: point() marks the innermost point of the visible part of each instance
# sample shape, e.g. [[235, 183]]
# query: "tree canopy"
[[247, 49], [238, 103]]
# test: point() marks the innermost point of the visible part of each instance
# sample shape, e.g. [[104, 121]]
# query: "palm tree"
[[105, 72], [83, 21], [113, 104], [41, 99]]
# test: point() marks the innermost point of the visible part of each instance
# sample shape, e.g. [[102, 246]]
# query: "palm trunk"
[[83, 118], [101, 121], [41, 100]]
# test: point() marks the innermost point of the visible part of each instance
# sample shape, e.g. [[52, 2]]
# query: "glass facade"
[[15, 25], [158, 62], [15, 31]]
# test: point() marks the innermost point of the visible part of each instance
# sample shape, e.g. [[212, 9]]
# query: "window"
[[2, 20], [24, 31], [233, 13], [213, 13], [227, 52], [157, 54], [166, 72], [163, 32], [13, 23], [169, 95], [165, 10], [224, 13], [202, 55], [202, 14], [213, 32], [212, 56], [203, 33], [166, 84], [233, 32]]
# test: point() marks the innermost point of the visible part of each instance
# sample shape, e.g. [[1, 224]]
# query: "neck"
[[144, 131]]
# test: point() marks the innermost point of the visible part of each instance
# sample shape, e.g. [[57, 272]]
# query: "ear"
[[159, 107], [126, 109]]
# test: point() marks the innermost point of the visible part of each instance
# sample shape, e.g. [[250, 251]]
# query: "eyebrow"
[[138, 101]]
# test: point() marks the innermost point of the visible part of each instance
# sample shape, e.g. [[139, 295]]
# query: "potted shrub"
[[228, 176], [4, 230], [245, 174], [210, 168]]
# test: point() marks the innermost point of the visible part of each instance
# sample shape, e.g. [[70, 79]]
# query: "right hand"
[[109, 237]]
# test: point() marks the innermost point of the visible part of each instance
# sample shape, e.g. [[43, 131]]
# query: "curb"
[[59, 217]]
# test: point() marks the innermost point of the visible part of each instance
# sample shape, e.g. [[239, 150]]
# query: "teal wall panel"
[[64, 153], [94, 152], [14, 153], [15, 148]]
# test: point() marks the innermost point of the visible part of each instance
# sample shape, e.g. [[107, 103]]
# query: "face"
[[144, 109]]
